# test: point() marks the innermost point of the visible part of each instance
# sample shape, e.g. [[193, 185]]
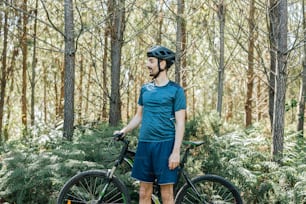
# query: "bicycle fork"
[[110, 174], [189, 182]]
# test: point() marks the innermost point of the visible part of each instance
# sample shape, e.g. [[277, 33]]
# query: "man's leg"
[[145, 192], [167, 193]]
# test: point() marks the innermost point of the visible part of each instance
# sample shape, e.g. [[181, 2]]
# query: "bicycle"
[[102, 186]]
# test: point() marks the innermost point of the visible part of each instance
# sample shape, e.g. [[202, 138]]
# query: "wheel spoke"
[[87, 188]]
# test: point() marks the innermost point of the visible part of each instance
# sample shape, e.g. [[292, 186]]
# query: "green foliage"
[[34, 171], [243, 157]]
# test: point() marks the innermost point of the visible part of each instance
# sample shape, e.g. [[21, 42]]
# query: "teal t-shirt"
[[159, 106]]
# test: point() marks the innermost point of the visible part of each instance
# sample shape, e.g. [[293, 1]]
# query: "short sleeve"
[[140, 98], [180, 100]]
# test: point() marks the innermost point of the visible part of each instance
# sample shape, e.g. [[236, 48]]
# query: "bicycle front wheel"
[[210, 189], [91, 186]]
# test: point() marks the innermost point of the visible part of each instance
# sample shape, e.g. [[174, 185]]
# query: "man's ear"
[[163, 64]]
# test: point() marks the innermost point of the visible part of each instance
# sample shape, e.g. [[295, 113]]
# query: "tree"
[[69, 70], [302, 99], [273, 22], [221, 15], [250, 71], [179, 39], [117, 31], [24, 48], [280, 81], [34, 62], [3, 70]]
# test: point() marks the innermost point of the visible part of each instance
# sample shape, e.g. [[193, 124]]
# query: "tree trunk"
[[105, 61], [302, 99], [221, 16], [24, 48], [273, 22], [69, 70], [4, 70], [118, 17], [280, 85], [80, 90], [250, 71], [34, 62], [179, 40], [160, 19], [184, 51]]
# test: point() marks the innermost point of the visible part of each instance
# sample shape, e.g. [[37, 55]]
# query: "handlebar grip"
[[119, 136]]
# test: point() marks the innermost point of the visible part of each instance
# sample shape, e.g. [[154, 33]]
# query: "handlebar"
[[119, 136]]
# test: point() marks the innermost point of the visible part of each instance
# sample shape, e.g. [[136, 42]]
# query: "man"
[[161, 112]]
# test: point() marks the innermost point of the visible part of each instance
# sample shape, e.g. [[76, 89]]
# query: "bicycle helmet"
[[162, 53]]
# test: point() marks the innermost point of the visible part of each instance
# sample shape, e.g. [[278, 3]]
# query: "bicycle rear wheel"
[[89, 186], [210, 189]]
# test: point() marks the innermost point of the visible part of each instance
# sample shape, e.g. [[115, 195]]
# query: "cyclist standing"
[[161, 112]]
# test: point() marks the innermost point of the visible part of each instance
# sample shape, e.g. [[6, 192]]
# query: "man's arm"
[[174, 159], [136, 120]]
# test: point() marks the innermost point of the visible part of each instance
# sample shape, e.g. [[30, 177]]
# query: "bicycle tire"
[[86, 187], [213, 189]]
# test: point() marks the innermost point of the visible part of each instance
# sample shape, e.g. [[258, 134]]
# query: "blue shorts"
[[151, 163]]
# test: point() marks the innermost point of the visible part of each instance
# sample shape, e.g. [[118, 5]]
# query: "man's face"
[[152, 65]]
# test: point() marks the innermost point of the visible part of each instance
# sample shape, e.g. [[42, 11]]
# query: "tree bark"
[[69, 70], [280, 85], [3, 70], [34, 62], [250, 71], [273, 22], [118, 21], [160, 20], [24, 48], [179, 40], [221, 16], [107, 33], [80, 90]]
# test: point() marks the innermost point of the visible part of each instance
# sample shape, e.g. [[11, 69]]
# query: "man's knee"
[[167, 193], [145, 191]]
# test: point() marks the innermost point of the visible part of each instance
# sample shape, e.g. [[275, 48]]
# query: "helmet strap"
[[159, 69]]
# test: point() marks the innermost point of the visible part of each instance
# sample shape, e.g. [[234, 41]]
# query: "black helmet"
[[162, 53]]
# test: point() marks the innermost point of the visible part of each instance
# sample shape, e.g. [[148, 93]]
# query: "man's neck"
[[161, 80]]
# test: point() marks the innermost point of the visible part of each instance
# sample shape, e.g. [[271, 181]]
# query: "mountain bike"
[[103, 186]]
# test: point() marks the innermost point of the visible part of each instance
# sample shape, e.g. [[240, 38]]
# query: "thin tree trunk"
[[34, 62], [302, 99], [250, 71], [184, 51], [69, 70], [280, 85], [179, 40], [45, 77], [221, 16], [160, 19], [273, 22], [62, 90], [24, 48], [80, 90], [116, 47], [4, 70], [107, 32]]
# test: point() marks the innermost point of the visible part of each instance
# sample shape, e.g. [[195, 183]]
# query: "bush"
[[34, 171]]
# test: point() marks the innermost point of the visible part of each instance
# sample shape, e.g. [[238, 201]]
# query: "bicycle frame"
[[95, 186], [181, 173]]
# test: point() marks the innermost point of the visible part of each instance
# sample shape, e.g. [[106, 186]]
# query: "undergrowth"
[[34, 170]]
